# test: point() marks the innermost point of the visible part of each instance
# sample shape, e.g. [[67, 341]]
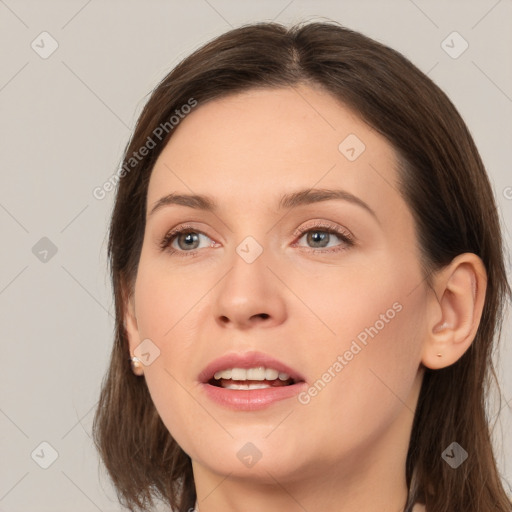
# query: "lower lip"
[[251, 399]]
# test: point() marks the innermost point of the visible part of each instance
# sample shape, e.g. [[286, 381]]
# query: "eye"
[[325, 236], [185, 239]]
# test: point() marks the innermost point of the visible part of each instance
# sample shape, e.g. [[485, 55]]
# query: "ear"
[[130, 321], [454, 310]]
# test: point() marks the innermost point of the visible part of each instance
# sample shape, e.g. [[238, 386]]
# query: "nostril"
[[263, 316]]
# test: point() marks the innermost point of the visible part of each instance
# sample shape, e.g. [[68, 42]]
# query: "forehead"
[[263, 143]]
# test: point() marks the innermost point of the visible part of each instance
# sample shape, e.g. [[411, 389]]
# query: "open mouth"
[[249, 381], [251, 378]]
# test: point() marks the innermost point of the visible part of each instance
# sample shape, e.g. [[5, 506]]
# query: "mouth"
[[259, 377], [249, 381]]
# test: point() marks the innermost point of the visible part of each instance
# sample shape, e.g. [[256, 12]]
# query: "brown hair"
[[444, 182]]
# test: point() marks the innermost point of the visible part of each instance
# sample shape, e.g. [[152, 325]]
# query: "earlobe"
[[132, 333], [454, 311]]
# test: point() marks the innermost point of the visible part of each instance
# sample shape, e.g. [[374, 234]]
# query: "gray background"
[[64, 121]]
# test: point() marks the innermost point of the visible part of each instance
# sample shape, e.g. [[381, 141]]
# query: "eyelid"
[[326, 226], [171, 234], [342, 233]]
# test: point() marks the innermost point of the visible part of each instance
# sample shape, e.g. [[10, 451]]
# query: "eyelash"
[[331, 229]]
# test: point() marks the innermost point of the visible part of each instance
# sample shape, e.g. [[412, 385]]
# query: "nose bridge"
[[249, 292]]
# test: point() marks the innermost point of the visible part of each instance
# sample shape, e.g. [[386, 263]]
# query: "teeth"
[[238, 374], [246, 386], [271, 374], [257, 373], [224, 374]]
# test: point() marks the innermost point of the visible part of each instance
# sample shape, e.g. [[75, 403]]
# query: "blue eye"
[[186, 241], [321, 238]]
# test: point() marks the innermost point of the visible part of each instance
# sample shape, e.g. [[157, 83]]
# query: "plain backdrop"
[[74, 76]]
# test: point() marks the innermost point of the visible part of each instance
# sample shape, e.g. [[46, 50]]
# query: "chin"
[[255, 458]]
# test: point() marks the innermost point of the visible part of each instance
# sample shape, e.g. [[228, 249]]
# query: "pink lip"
[[249, 400]]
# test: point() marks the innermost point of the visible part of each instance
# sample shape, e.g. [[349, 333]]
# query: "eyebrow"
[[288, 201]]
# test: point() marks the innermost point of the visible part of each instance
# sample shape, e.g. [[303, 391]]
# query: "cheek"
[[365, 372], [365, 298], [170, 313], [166, 302]]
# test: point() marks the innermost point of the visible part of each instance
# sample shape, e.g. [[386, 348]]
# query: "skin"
[[346, 448]]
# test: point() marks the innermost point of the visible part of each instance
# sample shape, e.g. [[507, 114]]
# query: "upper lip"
[[246, 360]]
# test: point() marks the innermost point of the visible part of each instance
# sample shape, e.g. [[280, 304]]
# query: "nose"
[[249, 296]]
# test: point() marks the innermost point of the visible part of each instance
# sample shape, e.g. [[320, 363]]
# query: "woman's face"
[[307, 265]]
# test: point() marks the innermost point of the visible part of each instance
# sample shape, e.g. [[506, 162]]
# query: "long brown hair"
[[443, 180]]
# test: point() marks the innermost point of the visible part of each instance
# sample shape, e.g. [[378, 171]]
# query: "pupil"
[[189, 239], [318, 237]]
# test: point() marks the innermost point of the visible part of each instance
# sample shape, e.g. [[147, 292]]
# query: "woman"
[[309, 280]]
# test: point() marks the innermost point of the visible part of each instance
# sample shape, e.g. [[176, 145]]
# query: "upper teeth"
[[258, 373]]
